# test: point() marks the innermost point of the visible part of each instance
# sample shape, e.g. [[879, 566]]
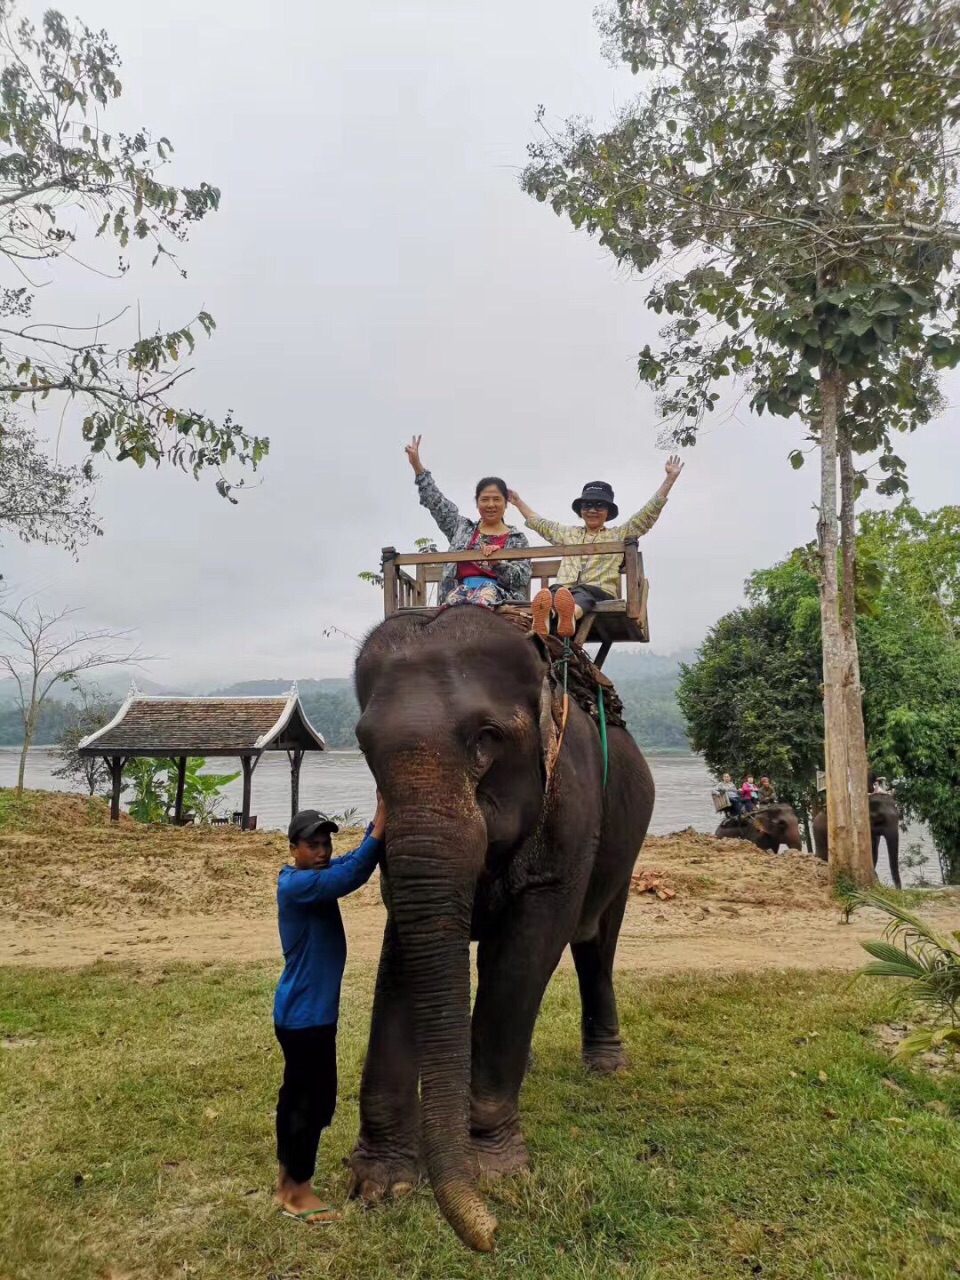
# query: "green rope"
[[603, 733]]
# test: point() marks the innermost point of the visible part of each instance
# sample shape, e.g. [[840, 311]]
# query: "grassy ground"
[[760, 1133]]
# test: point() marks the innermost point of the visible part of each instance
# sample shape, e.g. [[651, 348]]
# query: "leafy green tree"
[[751, 698], [793, 164], [66, 181], [41, 499]]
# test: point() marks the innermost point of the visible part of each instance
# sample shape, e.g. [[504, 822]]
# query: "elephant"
[[884, 823], [493, 834], [768, 828]]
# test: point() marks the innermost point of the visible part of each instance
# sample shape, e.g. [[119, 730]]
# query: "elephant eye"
[[486, 741]]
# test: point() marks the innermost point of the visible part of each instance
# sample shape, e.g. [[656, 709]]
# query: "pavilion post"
[[115, 765], [296, 760], [181, 780], [248, 764]]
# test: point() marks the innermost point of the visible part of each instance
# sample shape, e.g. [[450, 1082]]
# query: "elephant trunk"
[[434, 859]]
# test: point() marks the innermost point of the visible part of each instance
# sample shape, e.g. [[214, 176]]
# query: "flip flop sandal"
[[311, 1215], [540, 608], [566, 608]]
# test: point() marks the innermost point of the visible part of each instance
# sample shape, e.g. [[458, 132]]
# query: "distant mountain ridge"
[[646, 682]]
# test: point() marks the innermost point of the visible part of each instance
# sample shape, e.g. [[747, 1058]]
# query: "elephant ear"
[[549, 730]]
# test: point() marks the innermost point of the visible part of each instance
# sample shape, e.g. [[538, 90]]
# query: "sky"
[[375, 271]]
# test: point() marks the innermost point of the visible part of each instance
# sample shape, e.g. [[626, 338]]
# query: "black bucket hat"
[[598, 491], [309, 823]]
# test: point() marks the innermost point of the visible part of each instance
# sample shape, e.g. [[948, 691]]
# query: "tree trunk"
[[845, 854], [852, 688], [29, 726]]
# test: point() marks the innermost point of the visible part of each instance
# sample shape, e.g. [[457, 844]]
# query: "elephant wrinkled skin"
[[481, 845], [768, 828], [884, 824]]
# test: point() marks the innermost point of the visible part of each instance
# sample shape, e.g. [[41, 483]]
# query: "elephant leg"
[[513, 969], [601, 1047], [386, 1158]]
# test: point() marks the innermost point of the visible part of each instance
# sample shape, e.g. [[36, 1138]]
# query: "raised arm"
[[644, 519], [344, 874], [549, 530], [444, 512]]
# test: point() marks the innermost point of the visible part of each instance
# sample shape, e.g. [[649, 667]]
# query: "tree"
[[89, 713], [43, 500], [751, 698], [751, 701], [64, 181], [792, 163], [39, 650]]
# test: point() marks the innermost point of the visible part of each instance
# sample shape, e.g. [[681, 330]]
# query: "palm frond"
[[904, 921], [896, 957], [918, 1041]]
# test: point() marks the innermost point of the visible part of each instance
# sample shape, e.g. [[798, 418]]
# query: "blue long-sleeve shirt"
[[312, 937]]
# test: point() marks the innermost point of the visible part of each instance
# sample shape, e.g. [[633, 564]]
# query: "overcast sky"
[[376, 271]]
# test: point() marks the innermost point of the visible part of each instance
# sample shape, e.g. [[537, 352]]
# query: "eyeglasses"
[[593, 506]]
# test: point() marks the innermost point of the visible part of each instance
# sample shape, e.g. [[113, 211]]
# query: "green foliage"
[[805, 212], [62, 174], [930, 965], [41, 498], [751, 698], [146, 778], [154, 787], [376, 579]]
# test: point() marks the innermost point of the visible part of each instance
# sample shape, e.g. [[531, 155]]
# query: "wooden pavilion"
[[177, 728]]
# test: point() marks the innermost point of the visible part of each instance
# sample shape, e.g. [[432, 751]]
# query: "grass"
[[760, 1132]]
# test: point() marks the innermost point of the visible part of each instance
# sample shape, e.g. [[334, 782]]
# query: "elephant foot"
[[606, 1057], [501, 1157], [496, 1138], [375, 1177]]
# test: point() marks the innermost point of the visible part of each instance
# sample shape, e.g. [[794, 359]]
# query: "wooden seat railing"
[[622, 619]]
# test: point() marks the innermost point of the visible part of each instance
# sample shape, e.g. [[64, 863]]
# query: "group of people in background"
[[746, 797]]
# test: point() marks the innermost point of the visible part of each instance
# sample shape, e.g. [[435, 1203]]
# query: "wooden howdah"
[[410, 580]]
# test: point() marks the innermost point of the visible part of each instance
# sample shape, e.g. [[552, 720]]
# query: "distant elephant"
[[494, 835], [884, 823], [768, 828]]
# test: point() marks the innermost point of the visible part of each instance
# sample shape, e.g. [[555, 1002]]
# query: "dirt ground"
[[75, 890]]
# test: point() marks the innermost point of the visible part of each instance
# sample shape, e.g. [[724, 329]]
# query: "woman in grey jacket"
[[486, 581]]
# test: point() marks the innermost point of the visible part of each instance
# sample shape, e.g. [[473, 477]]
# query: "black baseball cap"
[[309, 823]]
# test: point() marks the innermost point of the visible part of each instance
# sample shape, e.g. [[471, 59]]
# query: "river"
[[339, 781]]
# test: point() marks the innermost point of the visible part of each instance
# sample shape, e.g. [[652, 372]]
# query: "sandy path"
[[653, 940], [155, 895]]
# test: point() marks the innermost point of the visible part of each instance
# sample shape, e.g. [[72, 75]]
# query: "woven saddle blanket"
[[584, 678]]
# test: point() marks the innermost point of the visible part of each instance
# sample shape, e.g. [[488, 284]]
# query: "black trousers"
[[308, 1095], [584, 595]]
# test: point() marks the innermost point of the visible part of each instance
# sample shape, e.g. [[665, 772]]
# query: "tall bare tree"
[[40, 650]]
